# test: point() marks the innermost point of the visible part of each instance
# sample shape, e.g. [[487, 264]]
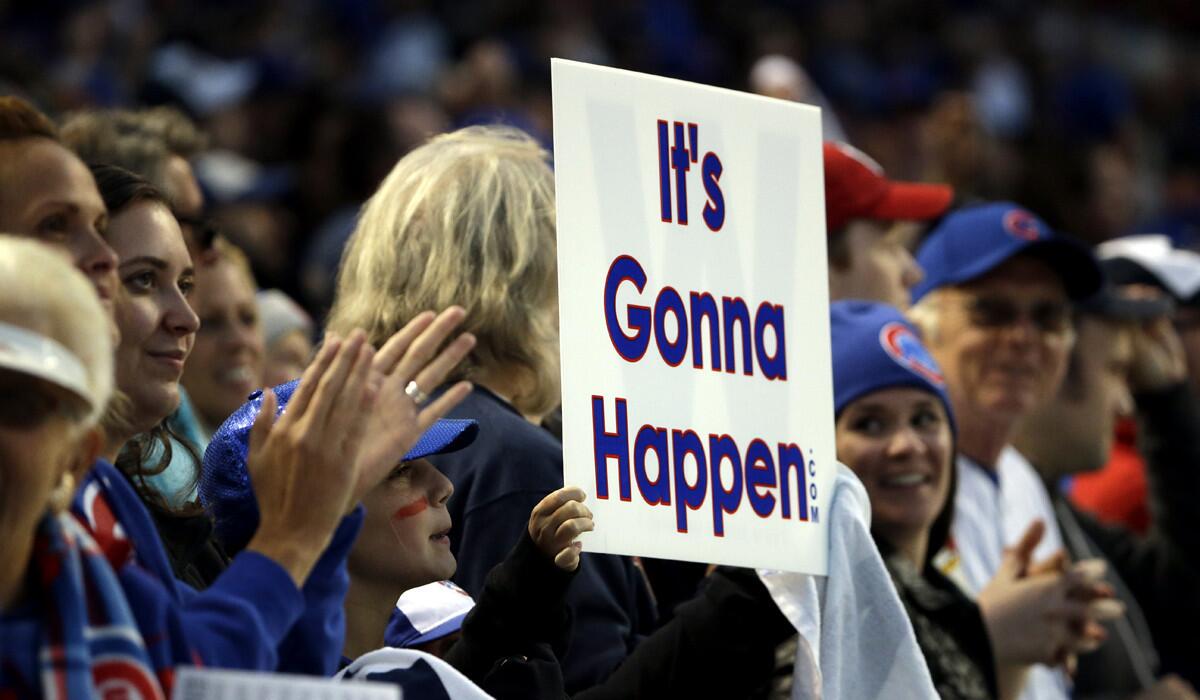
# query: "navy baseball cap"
[[225, 489], [972, 241], [874, 347]]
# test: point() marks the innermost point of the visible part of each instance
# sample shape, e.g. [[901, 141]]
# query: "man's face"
[[1073, 432], [1002, 341], [187, 201], [879, 266]]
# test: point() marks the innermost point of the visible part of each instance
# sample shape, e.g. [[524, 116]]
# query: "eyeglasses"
[[995, 312]]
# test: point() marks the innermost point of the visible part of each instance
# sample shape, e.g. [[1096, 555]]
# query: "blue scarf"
[[91, 646]]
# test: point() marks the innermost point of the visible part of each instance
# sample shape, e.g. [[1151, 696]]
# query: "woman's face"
[[898, 442], [405, 540], [157, 325], [226, 366], [52, 196]]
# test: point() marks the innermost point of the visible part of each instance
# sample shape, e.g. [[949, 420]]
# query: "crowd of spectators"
[[999, 386], [1083, 111]]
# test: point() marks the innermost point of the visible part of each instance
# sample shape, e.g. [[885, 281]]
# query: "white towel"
[[855, 638]]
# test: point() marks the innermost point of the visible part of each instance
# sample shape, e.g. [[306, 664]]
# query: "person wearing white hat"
[[55, 379]]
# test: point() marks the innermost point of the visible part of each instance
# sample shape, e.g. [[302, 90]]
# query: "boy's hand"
[[557, 521]]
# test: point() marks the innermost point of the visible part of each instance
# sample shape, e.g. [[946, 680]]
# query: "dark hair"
[[838, 249], [21, 120], [120, 188]]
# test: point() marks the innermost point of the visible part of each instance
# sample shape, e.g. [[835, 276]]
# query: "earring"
[[60, 497]]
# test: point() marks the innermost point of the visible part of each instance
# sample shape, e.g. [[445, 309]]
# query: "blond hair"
[[42, 292], [468, 219], [225, 251]]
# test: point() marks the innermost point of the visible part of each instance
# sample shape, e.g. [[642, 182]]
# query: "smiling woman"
[[158, 328], [227, 362]]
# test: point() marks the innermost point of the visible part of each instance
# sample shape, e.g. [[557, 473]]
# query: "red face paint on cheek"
[[411, 509]]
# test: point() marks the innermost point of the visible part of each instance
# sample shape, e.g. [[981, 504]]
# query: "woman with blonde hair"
[[468, 219]]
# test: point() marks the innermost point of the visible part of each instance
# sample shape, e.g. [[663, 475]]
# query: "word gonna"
[[729, 319], [756, 473]]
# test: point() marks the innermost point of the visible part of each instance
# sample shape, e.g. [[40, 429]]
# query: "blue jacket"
[[252, 617], [497, 481]]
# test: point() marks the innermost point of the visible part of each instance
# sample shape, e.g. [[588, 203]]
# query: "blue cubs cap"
[[972, 241], [426, 613], [874, 347], [225, 489]]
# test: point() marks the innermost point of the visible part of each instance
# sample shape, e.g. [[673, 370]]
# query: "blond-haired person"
[[468, 219]]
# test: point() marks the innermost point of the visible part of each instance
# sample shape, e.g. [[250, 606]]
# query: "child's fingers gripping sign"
[[557, 521]]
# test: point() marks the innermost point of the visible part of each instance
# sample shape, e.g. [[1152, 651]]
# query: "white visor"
[[26, 352]]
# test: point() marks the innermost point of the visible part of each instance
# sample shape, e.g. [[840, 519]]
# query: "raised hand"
[[557, 521], [1047, 612], [398, 420], [303, 464]]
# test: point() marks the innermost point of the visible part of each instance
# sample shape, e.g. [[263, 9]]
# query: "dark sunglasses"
[[1047, 316]]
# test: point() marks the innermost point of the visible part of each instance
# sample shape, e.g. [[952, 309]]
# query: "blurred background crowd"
[[1084, 111]]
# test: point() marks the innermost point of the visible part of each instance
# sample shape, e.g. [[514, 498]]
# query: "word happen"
[[756, 475], [731, 318], [679, 159]]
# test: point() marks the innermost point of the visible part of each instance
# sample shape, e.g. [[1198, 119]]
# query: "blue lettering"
[[684, 443], [710, 173], [736, 311], [658, 491], [630, 347], [773, 367], [723, 448], [611, 445], [679, 161], [760, 475], [791, 457], [672, 352], [705, 307], [664, 172]]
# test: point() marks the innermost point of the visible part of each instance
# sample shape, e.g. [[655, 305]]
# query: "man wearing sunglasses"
[[995, 309]]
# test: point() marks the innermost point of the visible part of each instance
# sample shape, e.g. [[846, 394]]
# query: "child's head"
[[226, 492], [405, 540]]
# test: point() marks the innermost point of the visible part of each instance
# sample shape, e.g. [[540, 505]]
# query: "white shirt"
[[991, 512]]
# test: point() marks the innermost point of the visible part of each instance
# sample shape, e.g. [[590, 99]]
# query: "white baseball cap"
[[26, 352]]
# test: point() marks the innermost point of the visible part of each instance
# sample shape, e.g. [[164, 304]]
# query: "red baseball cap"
[[856, 188]]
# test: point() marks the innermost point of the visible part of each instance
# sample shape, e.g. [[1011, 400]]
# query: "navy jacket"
[[498, 480]]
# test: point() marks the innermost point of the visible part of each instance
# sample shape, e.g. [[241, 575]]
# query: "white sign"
[[697, 388], [193, 683]]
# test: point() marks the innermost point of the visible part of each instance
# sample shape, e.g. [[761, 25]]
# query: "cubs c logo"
[[903, 346], [1022, 224], [119, 678]]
